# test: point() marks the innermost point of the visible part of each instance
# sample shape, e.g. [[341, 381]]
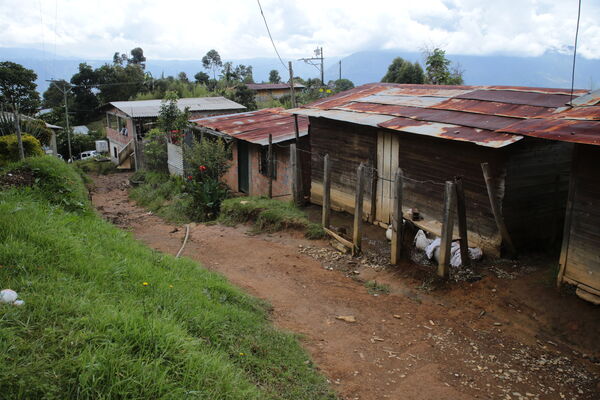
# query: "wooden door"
[[388, 149], [243, 167]]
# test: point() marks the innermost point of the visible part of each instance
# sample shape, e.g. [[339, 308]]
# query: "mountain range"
[[552, 69]]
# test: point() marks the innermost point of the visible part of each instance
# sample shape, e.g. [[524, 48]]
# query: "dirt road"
[[496, 338]]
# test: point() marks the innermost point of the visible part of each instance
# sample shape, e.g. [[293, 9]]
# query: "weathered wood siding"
[[583, 250], [347, 145], [537, 183]]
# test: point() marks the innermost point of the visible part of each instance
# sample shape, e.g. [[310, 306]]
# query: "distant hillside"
[[550, 70]]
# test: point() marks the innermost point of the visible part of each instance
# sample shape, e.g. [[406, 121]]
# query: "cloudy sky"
[[179, 29]]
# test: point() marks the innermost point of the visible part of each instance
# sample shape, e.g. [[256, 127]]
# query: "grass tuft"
[[374, 287]]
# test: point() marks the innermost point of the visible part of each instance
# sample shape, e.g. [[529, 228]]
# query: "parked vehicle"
[[88, 154]]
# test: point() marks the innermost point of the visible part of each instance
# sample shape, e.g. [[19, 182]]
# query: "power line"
[[269, 32], [575, 51]]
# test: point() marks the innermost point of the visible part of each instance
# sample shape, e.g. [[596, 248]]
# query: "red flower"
[[175, 131], [190, 177], [202, 168]]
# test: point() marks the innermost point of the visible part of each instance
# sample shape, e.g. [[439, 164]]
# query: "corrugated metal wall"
[[175, 159]]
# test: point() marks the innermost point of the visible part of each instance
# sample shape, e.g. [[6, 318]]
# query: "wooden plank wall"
[[424, 158], [537, 183], [583, 254], [347, 145]]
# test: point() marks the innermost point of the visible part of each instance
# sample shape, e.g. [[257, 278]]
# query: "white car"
[[88, 154]]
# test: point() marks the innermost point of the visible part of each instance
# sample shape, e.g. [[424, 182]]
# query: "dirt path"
[[492, 339]]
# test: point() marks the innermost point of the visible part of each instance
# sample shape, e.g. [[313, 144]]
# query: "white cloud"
[[187, 29]]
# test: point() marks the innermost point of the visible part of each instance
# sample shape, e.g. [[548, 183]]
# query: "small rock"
[[346, 318], [497, 324]]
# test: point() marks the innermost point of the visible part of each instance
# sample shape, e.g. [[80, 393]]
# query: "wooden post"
[[358, 209], [461, 213], [447, 228], [326, 221], [496, 210], [373, 195], [296, 129], [270, 165], [397, 218], [295, 176], [292, 89], [564, 248]]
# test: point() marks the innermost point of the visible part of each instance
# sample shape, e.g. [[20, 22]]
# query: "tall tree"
[[17, 91], [341, 85], [118, 83], [438, 69], [182, 76], [212, 61], [402, 71], [86, 103], [53, 97], [274, 76], [137, 57]]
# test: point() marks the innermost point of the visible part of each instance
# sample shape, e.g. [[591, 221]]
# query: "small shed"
[[579, 124], [128, 120], [434, 134], [248, 134], [271, 91]]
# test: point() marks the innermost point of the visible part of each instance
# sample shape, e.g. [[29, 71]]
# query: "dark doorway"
[[243, 164]]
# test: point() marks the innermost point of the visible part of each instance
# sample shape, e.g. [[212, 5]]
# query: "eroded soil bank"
[[510, 335]]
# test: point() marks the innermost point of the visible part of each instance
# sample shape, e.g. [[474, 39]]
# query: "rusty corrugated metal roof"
[[492, 116], [255, 126]]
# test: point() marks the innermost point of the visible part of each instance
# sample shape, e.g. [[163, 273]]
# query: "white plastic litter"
[[388, 233], [433, 248], [18, 303], [421, 240], [8, 296]]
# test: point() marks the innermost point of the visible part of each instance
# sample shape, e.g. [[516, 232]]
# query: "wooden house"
[[129, 120], [248, 134], [579, 124], [434, 134], [272, 91]]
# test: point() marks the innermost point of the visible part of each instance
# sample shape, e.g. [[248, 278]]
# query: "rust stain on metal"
[[565, 130], [494, 108], [518, 97], [255, 126]]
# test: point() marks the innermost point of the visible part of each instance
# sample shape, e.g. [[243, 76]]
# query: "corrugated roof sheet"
[[255, 126], [272, 86], [492, 116], [151, 108]]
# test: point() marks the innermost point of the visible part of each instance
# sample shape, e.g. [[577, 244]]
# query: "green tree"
[[182, 76], [402, 71], [85, 104], [438, 69], [212, 61], [170, 118], [118, 83], [274, 76], [243, 95], [137, 57], [202, 78], [53, 97], [341, 85], [17, 91]]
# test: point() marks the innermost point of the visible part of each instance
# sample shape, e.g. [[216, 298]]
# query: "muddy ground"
[[508, 335]]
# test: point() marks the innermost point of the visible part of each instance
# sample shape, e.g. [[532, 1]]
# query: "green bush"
[[92, 165], [9, 148], [54, 181], [155, 151], [268, 215]]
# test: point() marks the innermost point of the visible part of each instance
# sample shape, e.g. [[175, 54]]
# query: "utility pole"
[[64, 92], [292, 85], [314, 61], [340, 69]]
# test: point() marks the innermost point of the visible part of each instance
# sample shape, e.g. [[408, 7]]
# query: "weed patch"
[[374, 287]]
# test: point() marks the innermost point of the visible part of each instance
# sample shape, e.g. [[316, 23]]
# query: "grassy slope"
[[91, 329]]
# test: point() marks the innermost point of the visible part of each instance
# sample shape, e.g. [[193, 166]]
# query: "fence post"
[[270, 166], [397, 218], [358, 210], [326, 192], [496, 210], [461, 213], [295, 175], [447, 228]]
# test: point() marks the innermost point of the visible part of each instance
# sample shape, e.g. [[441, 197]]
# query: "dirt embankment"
[[509, 335]]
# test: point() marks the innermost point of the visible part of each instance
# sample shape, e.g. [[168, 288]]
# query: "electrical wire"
[[269, 32], [575, 52]]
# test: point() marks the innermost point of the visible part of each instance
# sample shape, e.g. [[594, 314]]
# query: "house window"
[[263, 166], [115, 151]]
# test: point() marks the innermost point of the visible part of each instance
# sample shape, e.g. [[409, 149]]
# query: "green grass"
[[374, 287], [92, 166], [268, 215], [162, 194], [90, 329]]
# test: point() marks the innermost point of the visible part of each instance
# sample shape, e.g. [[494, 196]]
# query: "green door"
[[243, 164]]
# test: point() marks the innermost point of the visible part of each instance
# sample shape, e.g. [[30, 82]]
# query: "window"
[[115, 152], [263, 166]]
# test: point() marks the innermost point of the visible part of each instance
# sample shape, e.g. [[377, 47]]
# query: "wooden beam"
[[358, 208], [296, 128], [461, 213], [447, 228], [294, 166], [496, 209], [270, 165], [340, 239], [397, 218], [326, 216], [564, 249], [373, 195]]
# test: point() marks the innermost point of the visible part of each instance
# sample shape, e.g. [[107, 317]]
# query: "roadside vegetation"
[[268, 215], [106, 317]]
